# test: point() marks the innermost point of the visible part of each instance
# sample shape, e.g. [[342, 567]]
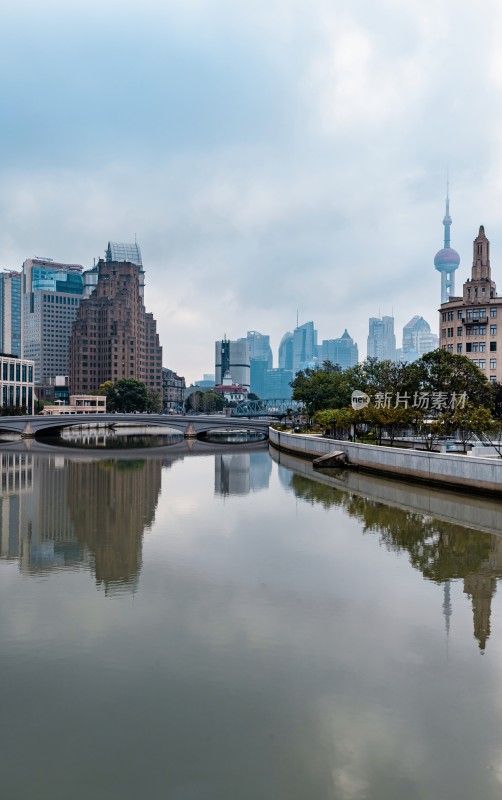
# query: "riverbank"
[[447, 470]]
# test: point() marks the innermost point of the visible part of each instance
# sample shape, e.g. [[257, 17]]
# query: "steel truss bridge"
[[272, 407]]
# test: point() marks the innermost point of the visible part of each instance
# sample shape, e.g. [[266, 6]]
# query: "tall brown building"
[[113, 336], [471, 325]]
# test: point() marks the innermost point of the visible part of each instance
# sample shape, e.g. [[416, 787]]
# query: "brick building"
[[113, 336]]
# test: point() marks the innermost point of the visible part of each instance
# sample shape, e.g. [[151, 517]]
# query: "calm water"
[[218, 624]]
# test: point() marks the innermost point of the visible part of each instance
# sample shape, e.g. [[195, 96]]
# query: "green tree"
[[212, 402], [125, 396], [441, 371], [154, 402], [322, 388]]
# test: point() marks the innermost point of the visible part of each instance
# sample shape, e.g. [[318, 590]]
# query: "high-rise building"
[[471, 325], [259, 346], [277, 384], [258, 369], [286, 351], [381, 339], [113, 336], [11, 332], [51, 295], [418, 339], [343, 351], [446, 261], [304, 345], [232, 357], [260, 359]]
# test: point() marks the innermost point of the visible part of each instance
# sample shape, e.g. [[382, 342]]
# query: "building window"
[[493, 347], [493, 379], [459, 348], [493, 312], [482, 363], [459, 331], [443, 333], [493, 363], [468, 347], [493, 330]]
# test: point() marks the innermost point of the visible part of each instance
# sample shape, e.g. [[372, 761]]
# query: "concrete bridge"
[[195, 425]]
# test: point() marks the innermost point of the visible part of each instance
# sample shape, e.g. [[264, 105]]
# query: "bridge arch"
[[200, 424]]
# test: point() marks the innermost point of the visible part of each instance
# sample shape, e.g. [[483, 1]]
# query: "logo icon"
[[359, 400]]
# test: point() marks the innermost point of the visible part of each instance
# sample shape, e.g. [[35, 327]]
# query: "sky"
[[272, 158]]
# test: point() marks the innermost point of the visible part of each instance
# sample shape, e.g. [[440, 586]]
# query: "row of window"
[[17, 372], [470, 314], [471, 330]]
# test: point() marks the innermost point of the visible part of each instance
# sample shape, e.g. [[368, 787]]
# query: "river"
[[210, 622]]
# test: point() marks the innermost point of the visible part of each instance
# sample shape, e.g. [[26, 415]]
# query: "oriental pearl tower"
[[447, 260]]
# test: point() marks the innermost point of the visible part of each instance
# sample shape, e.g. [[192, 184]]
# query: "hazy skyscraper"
[[259, 346], [286, 351], [381, 339], [342, 351], [304, 345]]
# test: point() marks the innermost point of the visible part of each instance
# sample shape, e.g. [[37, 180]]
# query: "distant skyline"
[[269, 157]]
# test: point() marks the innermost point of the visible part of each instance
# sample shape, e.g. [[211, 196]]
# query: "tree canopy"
[[125, 396]]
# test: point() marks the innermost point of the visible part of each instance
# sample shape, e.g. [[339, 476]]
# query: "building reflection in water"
[[124, 499], [58, 512], [441, 550], [241, 473]]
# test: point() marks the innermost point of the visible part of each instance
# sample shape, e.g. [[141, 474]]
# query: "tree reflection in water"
[[440, 550]]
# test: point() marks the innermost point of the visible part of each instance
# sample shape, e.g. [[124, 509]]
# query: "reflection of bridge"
[[196, 424], [267, 408]]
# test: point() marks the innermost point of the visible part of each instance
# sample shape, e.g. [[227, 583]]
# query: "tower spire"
[[447, 218]]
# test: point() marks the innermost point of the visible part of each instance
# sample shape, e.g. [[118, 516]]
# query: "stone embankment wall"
[[442, 469]]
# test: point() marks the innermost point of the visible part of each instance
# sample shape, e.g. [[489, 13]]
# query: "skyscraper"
[[381, 339], [113, 336], [342, 351], [418, 339], [10, 313], [232, 357], [51, 296], [286, 351], [259, 346], [304, 345], [260, 359], [446, 261]]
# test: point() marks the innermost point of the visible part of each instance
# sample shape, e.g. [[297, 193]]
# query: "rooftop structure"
[[124, 251]]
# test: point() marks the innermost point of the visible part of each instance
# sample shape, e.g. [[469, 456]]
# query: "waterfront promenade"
[[448, 470]]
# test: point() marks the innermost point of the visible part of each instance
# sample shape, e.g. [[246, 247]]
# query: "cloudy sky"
[[272, 156]]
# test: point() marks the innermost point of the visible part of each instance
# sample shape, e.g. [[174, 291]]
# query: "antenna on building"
[[296, 317]]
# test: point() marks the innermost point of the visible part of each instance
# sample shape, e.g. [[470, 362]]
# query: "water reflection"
[[241, 473], [67, 512], [118, 436], [441, 550]]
